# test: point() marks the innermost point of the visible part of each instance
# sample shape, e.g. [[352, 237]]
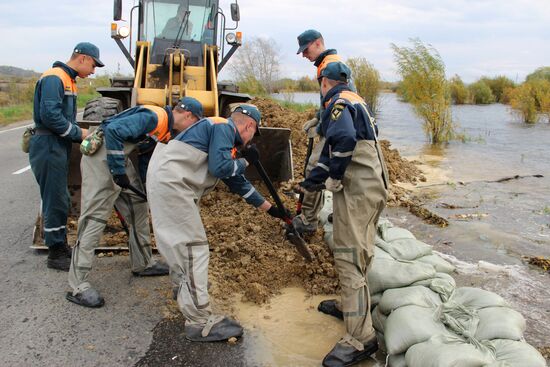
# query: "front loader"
[[179, 50]]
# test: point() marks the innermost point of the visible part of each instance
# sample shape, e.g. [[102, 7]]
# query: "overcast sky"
[[474, 37]]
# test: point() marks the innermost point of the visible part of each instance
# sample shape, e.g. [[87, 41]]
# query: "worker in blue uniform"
[[180, 173], [352, 167], [54, 114], [108, 178]]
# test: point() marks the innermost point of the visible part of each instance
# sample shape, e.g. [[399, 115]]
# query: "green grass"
[[20, 112], [298, 107]]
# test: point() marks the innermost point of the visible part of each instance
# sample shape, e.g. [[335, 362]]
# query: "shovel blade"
[[294, 237]]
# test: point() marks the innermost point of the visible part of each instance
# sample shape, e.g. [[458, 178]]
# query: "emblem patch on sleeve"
[[336, 111]]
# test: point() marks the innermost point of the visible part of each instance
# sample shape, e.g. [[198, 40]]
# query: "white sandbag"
[[390, 233], [478, 298], [442, 284], [499, 323], [410, 325], [405, 248], [397, 360], [447, 351], [387, 273], [516, 354], [420, 296], [440, 265], [381, 254], [374, 299], [378, 319]]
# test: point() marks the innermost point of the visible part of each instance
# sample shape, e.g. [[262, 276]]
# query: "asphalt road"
[[37, 325]]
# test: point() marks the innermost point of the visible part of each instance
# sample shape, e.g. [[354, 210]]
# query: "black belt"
[[40, 131]]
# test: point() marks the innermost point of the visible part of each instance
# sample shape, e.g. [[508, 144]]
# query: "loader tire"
[[101, 108]]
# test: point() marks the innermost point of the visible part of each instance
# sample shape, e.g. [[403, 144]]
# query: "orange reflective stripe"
[[161, 132], [234, 153], [69, 84], [352, 97], [221, 120], [327, 60]]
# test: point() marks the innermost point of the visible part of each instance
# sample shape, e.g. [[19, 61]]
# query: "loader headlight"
[[123, 32], [231, 38]]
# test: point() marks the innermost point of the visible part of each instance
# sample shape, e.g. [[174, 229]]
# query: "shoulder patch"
[[336, 111]]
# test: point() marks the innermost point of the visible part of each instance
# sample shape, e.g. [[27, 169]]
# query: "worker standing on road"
[[107, 179], [312, 47], [54, 114], [180, 173], [352, 166]]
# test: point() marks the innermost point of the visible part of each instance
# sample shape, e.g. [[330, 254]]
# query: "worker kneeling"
[[109, 179], [180, 173], [351, 165]]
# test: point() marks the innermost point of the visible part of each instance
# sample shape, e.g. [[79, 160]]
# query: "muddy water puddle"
[[289, 331]]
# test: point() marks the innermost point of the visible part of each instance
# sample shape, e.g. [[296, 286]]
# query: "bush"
[[522, 100], [367, 81], [498, 85], [540, 73], [424, 85], [481, 93], [459, 92]]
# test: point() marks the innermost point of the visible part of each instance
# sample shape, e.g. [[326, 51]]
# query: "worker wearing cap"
[[54, 114], [180, 173], [352, 166], [312, 47], [109, 179]]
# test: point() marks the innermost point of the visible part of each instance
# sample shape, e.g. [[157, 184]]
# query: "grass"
[[20, 112], [298, 107]]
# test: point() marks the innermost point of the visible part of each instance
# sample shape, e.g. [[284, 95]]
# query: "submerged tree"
[[367, 81], [459, 92], [424, 86]]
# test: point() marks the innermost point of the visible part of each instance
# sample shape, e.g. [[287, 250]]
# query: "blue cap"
[[336, 71], [251, 111], [192, 105], [305, 39], [87, 48]]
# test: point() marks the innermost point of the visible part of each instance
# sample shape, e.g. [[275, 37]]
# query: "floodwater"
[[492, 228]]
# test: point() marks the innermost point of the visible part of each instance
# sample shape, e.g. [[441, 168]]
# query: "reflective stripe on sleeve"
[[342, 154], [67, 131], [53, 229], [249, 193], [235, 168], [115, 152], [323, 166]]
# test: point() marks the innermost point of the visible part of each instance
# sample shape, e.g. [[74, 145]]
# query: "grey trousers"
[[313, 201]]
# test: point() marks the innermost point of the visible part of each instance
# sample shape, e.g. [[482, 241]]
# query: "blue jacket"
[[346, 120], [131, 125], [54, 105], [219, 138]]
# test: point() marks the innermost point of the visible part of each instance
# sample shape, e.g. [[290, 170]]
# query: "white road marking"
[[15, 128], [22, 170]]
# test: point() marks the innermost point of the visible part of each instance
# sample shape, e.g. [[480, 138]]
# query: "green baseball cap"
[[305, 39], [251, 111], [87, 48], [336, 71], [192, 105]]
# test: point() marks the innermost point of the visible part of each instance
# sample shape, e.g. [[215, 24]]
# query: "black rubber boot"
[[329, 307], [154, 270], [59, 257], [88, 298], [222, 330], [344, 354]]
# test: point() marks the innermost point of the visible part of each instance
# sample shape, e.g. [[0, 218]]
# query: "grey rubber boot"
[[301, 227], [329, 307], [88, 298], [344, 354], [156, 269], [59, 257], [217, 328]]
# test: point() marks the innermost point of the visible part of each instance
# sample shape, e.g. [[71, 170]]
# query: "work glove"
[[311, 187], [333, 185], [310, 127], [278, 213], [251, 154], [122, 180]]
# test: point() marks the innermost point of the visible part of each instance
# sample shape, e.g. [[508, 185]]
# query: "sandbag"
[[516, 354], [478, 298], [381, 341], [447, 351], [397, 360], [374, 299], [420, 296], [381, 254], [442, 284], [410, 325], [499, 323], [440, 265], [378, 319], [388, 232], [387, 273], [405, 248]]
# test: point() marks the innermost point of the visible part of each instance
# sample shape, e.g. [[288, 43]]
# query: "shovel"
[[291, 234]]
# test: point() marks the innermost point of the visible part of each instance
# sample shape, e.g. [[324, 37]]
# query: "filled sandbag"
[[440, 265], [499, 323], [397, 360], [442, 284], [388, 232], [378, 319], [381, 254], [516, 354], [404, 248], [447, 351], [420, 296], [410, 325], [387, 273], [374, 299], [478, 298]]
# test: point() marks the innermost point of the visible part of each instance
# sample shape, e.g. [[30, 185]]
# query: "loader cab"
[[187, 25]]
